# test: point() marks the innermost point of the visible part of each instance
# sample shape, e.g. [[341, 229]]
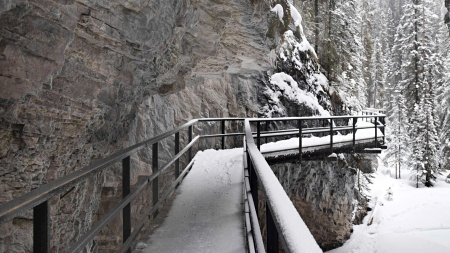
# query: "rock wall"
[[80, 79], [324, 193]]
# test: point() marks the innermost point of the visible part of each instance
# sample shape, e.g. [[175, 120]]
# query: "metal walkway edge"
[[279, 219]]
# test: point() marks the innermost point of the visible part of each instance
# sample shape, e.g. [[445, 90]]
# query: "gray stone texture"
[[323, 192], [82, 79]]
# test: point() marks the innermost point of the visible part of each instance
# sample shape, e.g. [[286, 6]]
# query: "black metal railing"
[[38, 199], [255, 167], [378, 121]]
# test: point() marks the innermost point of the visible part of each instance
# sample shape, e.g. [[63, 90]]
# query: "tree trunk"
[[316, 20]]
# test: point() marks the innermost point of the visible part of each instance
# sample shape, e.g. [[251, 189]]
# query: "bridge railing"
[[329, 127], [38, 199], [256, 171], [283, 222]]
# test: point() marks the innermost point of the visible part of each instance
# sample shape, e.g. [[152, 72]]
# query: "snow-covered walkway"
[[414, 221], [207, 213]]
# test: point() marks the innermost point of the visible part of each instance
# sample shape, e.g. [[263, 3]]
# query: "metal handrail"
[[261, 174], [45, 192], [38, 198], [312, 118]]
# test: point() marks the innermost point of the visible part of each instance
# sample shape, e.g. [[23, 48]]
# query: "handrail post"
[[223, 132], [300, 144], [354, 132], [253, 182], [376, 132], [258, 135], [126, 188], [41, 228], [383, 129], [177, 150], [331, 136], [155, 189], [267, 130], [271, 233], [189, 141]]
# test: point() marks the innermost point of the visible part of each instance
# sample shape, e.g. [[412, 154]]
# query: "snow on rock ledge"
[[283, 85]]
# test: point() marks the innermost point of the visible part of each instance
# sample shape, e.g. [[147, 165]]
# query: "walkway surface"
[[207, 212]]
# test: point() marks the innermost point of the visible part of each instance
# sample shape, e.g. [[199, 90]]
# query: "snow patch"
[[283, 85], [444, 10], [278, 9], [415, 221]]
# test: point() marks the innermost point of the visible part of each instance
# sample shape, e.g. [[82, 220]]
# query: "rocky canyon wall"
[[82, 79], [325, 195]]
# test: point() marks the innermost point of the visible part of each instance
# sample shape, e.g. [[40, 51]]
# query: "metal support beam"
[[126, 188], [223, 132], [272, 233], [258, 135], [177, 150], [267, 129], [300, 141], [155, 181], [253, 182], [41, 228], [376, 132], [331, 136], [189, 141]]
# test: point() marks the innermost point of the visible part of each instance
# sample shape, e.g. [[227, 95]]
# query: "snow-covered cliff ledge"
[[297, 81]]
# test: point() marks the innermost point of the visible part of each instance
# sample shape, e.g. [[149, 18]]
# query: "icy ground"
[[207, 213], [414, 221]]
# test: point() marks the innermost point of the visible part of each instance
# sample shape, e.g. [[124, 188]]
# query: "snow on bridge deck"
[[363, 138], [207, 213]]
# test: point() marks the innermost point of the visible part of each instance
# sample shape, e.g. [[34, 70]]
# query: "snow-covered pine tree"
[[418, 70], [397, 128], [443, 94], [346, 46]]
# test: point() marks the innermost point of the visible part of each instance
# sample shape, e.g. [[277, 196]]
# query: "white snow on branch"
[[278, 9], [444, 10], [283, 85]]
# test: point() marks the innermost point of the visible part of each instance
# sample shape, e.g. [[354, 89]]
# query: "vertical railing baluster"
[[253, 181], [177, 150], [41, 227], [126, 188], [258, 134], [354, 133], [331, 136], [267, 130], [271, 233], [300, 141], [189, 141], [376, 132], [223, 132], [155, 181]]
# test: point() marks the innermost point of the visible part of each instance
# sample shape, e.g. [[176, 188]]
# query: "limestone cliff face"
[[81, 79], [324, 194]]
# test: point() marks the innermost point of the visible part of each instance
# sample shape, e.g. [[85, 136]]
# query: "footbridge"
[[215, 205]]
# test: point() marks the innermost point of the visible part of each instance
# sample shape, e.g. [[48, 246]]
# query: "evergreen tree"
[[397, 128]]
